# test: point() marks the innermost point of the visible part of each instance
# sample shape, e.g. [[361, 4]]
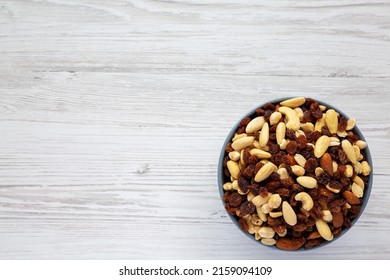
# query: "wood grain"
[[113, 114]]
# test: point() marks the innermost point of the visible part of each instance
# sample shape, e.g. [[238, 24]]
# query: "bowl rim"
[[252, 113]]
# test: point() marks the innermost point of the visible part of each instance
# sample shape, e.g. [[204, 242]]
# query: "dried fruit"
[[295, 174]]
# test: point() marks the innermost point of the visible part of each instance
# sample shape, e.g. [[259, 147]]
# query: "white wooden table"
[[113, 114]]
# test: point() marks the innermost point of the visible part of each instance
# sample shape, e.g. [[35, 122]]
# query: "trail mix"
[[295, 174]]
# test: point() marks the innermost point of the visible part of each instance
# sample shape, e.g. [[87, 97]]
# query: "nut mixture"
[[295, 174]]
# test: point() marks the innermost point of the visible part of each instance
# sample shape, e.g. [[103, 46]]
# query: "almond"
[[351, 198], [265, 171], [260, 153], [349, 150], [326, 163], [331, 120], [288, 214], [289, 244], [314, 235], [280, 132], [264, 135], [307, 182], [243, 143], [293, 102], [255, 124], [322, 144], [324, 229], [338, 219]]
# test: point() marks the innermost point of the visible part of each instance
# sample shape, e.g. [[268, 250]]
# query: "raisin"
[[252, 160], [301, 141], [291, 147], [344, 180], [241, 130], [312, 243], [274, 221], [226, 197], [274, 176], [272, 137], [307, 154], [325, 131], [258, 166], [287, 182], [341, 168], [315, 110], [279, 229], [352, 137], [229, 148], [235, 199], [267, 114], [297, 234], [273, 148], [347, 222], [260, 112], [316, 212], [263, 192], [301, 217], [247, 208], [335, 185], [307, 117], [225, 161], [283, 192], [278, 158], [246, 156], [343, 122], [299, 227], [312, 136], [309, 101], [273, 128], [342, 156], [272, 186], [336, 232], [310, 222], [249, 171], [355, 209], [243, 184], [297, 188], [290, 134], [243, 224], [311, 165], [333, 207], [226, 173], [245, 121], [269, 106]]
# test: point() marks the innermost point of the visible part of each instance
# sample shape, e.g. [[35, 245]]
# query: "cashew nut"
[[292, 117], [305, 198]]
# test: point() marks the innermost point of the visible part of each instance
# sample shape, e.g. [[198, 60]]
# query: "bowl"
[[222, 178]]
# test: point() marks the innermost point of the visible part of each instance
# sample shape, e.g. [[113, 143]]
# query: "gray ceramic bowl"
[[252, 113]]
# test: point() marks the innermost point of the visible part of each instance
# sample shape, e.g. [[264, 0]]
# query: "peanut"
[[361, 144], [266, 232], [327, 217], [268, 241], [266, 208], [291, 117], [350, 124], [259, 200], [274, 201], [349, 171], [227, 186], [366, 169], [234, 155], [357, 190], [283, 173], [283, 145], [298, 170], [275, 118], [275, 214], [359, 181]]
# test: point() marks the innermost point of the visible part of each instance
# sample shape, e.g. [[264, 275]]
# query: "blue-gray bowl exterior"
[[252, 113]]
